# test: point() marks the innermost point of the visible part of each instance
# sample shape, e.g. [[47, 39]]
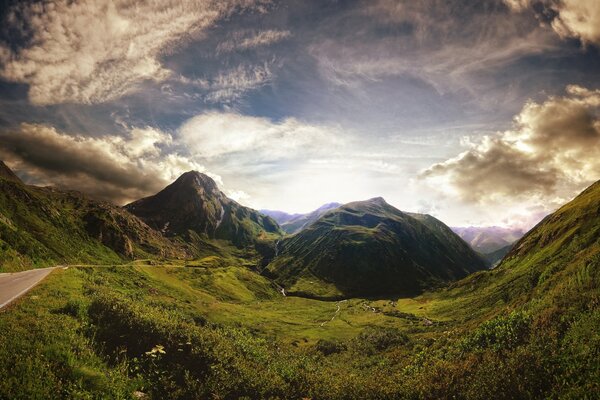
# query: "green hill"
[[370, 248], [193, 205], [46, 226], [551, 260]]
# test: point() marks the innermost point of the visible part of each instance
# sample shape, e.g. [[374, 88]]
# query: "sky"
[[479, 113]]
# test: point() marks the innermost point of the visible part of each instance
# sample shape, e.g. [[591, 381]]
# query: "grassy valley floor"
[[163, 332]]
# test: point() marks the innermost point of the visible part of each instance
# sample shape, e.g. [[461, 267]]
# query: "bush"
[[328, 347]]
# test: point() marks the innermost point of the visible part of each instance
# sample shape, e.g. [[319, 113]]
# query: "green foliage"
[[44, 226], [526, 330], [376, 340], [328, 347], [370, 248], [500, 334]]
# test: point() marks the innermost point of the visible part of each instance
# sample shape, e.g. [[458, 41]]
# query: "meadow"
[[225, 332]]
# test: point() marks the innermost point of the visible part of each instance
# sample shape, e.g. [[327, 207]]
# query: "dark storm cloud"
[[110, 167]]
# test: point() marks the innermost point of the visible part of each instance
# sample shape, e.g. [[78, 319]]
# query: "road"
[[16, 284]]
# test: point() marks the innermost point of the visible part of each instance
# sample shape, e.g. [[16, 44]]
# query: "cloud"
[[113, 168], [549, 155], [232, 84], [292, 164], [427, 41], [221, 134], [572, 18], [244, 40], [92, 51]]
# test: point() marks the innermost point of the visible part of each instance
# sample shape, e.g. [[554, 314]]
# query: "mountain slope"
[[556, 263], [7, 173], [494, 258], [194, 205], [45, 226], [300, 221], [370, 248]]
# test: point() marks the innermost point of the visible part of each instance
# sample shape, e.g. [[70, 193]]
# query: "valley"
[[205, 298]]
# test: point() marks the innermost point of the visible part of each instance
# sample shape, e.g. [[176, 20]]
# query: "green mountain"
[[7, 174], [369, 248], [554, 266], [193, 206], [45, 226]]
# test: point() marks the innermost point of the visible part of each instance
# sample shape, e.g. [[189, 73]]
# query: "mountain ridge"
[[369, 248], [193, 203], [42, 226]]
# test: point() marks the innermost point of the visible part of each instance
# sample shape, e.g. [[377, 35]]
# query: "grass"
[[46, 354], [216, 329], [86, 333]]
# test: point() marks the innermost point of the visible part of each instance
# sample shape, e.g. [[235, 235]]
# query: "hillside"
[[7, 174], [370, 248], [46, 226], [525, 330], [494, 258], [193, 205]]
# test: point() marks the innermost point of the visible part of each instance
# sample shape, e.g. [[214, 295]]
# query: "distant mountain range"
[[369, 248], [365, 248], [292, 223], [488, 239]]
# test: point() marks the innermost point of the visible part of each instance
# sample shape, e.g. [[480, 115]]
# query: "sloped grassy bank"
[[119, 333]]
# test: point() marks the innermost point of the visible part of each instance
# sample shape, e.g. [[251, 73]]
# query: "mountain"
[[572, 229], [279, 216], [194, 206], [494, 258], [297, 222], [488, 239], [556, 264], [7, 173], [45, 226], [369, 248], [293, 223]]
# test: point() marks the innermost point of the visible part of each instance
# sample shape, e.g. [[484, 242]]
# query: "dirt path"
[[339, 307]]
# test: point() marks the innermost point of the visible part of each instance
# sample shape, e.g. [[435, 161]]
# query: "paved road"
[[16, 284]]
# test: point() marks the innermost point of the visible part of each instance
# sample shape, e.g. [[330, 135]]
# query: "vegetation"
[[370, 249], [44, 226], [216, 328]]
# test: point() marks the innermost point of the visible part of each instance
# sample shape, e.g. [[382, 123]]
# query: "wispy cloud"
[[232, 84], [425, 40], [243, 40], [92, 51]]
